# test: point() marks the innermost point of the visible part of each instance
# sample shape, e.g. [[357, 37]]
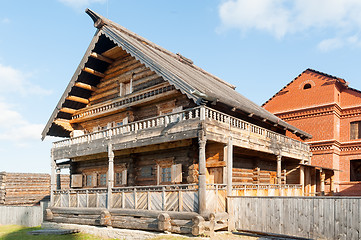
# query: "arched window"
[[307, 86]]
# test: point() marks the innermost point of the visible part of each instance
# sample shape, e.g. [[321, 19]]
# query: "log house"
[[155, 142]]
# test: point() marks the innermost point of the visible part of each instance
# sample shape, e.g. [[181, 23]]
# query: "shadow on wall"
[[350, 189]]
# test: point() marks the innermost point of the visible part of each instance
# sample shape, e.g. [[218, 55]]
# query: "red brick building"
[[326, 107]]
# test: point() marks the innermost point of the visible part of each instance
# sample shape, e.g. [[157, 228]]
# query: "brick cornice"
[[309, 112], [320, 110], [333, 146], [351, 112]]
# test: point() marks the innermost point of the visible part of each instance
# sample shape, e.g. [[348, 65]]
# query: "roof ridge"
[[311, 70], [100, 21]]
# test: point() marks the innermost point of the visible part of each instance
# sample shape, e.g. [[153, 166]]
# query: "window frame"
[[355, 130]]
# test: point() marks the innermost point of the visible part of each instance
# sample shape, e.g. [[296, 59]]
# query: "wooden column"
[[58, 179], [110, 174], [279, 169], [202, 173], [229, 160], [302, 178], [52, 178], [332, 184], [322, 180]]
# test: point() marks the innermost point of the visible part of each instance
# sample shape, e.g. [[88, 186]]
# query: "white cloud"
[[330, 44], [80, 4], [5, 21], [15, 128], [282, 17], [14, 80]]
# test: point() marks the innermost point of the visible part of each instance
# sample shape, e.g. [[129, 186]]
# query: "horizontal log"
[[114, 53], [87, 211], [152, 213], [94, 72], [85, 86], [101, 57], [125, 62], [77, 99], [76, 220]]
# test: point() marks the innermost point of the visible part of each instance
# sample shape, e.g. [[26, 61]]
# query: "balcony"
[[178, 126]]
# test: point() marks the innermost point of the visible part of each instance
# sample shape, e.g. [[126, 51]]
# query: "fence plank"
[[310, 217]]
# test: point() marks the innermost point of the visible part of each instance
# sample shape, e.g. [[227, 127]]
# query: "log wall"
[[26, 188]]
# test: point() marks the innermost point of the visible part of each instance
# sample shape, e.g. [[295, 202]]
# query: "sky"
[[257, 45]]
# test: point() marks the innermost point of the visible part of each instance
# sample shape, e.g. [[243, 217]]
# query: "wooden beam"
[[67, 110], [94, 72], [77, 99], [85, 86], [101, 57]]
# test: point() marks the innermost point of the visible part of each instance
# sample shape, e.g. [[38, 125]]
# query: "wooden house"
[[155, 142]]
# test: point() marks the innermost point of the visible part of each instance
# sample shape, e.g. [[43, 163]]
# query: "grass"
[[15, 232]]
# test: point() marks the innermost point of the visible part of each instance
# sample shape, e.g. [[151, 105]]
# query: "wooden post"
[[332, 184], [52, 179], [58, 179], [279, 168], [202, 173], [229, 155], [302, 179], [322, 180], [110, 175]]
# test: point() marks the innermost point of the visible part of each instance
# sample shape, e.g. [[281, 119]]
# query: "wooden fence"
[[309, 217], [29, 216]]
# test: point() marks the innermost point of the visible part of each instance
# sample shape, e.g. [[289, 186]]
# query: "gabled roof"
[[196, 83], [340, 80]]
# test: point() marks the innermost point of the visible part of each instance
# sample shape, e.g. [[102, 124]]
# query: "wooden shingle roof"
[[196, 83]]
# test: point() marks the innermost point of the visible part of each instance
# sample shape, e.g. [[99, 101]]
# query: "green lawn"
[[14, 232]]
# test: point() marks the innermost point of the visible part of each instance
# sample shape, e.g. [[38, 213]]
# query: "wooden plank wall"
[[308, 217], [27, 188]]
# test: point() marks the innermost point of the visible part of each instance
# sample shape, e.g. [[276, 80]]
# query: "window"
[[169, 173], [307, 86], [355, 170], [89, 180], [355, 130], [103, 179], [166, 175], [121, 178]]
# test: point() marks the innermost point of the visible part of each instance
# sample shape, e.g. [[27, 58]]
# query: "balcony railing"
[[180, 198], [201, 113]]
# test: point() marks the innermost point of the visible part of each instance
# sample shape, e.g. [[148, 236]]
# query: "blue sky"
[[257, 45]]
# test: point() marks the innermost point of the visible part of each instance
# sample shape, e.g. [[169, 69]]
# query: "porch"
[[194, 207]]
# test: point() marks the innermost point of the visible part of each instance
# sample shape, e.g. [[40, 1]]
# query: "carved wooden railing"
[[121, 102], [158, 121], [267, 190], [81, 198], [183, 198], [201, 113], [253, 129]]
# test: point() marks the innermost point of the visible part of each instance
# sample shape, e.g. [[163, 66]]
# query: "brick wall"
[[325, 111]]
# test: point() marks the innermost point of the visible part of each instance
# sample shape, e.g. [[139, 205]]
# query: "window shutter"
[[94, 179], [124, 177], [76, 180], [128, 88], [125, 120], [176, 173]]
